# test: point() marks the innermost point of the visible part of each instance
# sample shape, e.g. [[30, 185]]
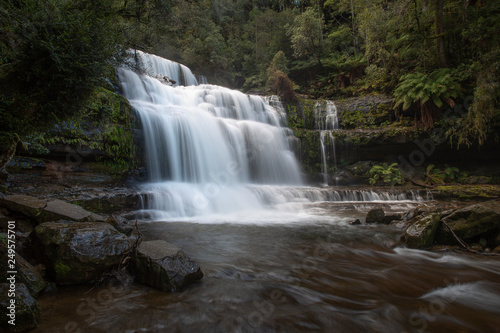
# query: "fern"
[[428, 92]]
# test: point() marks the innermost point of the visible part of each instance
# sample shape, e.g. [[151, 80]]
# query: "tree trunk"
[[439, 27]]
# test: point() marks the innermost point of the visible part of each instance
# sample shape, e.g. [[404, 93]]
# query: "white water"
[[326, 120], [210, 150]]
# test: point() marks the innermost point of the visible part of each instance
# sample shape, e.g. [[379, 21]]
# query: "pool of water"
[[291, 272]]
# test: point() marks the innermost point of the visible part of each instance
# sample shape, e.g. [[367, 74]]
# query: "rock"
[[393, 218], [476, 247], [164, 266], [355, 222], [79, 252], [62, 210], [26, 273], [470, 221], [444, 248], [477, 180], [121, 224], [496, 249], [342, 178], [376, 215], [421, 233], [29, 206], [27, 311]]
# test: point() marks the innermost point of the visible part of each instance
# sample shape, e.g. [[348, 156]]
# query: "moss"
[[62, 270], [466, 192], [106, 126]]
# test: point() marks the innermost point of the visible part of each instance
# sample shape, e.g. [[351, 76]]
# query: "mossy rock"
[[466, 192], [470, 221], [27, 311], [421, 233], [79, 252]]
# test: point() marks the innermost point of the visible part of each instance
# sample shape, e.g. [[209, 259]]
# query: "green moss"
[[467, 192], [106, 125], [62, 270]]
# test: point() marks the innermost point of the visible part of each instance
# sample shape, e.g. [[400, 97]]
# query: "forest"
[[430, 56]]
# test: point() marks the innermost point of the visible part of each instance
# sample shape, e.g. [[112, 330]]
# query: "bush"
[[389, 175]]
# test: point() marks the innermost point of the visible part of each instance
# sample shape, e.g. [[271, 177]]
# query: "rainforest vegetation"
[[438, 59]]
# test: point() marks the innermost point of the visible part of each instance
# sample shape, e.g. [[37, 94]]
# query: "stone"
[[29, 206], [496, 249], [27, 311], [79, 252], [476, 247], [421, 233], [121, 224], [164, 266], [392, 218], [355, 222], [376, 215], [62, 210], [470, 221], [26, 273]]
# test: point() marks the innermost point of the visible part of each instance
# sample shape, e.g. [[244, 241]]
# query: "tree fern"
[[428, 92]]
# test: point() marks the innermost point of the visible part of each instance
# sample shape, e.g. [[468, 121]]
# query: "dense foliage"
[[432, 56]]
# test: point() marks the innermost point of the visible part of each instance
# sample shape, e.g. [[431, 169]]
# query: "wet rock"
[[26, 205], [62, 210], [27, 311], [496, 249], [164, 266], [355, 222], [392, 218], [26, 273], [470, 221], [342, 178], [421, 233], [476, 247], [444, 248], [477, 180], [110, 203], [376, 215], [80, 251], [121, 224]]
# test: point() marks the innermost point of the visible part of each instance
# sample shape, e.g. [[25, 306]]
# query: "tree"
[[53, 55], [306, 35]]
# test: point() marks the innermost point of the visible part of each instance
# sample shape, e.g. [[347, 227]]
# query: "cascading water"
[[210, 150], [326, 120]]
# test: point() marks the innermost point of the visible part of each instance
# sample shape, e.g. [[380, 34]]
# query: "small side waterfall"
[[326, 120]]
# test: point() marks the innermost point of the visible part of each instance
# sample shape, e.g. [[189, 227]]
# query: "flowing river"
[[277, 256]]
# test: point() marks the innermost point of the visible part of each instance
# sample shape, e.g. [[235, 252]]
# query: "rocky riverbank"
[[53, 242]]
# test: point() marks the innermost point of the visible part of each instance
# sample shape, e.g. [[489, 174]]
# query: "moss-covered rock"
[[105, 132], [470, 221], [79, 252], [422, 231], [27, 311], [26, 205]]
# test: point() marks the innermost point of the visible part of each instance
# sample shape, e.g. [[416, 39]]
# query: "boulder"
[[27, 311], [80, 251], [164, 266], [355, 222], [470, 221], [26, 273], [62, 210], [376, 215], [421, 233], [29, 206]]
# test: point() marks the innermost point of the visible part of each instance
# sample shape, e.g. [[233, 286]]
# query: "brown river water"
[[293, 273]]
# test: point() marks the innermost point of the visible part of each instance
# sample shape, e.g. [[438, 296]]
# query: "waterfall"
[[204, 144], [326, 120], [213, 151]]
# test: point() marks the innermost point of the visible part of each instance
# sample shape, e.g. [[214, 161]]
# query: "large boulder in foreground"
[[164, 266], [470, 221], [27, 311], [79, 252], [421, 233]]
